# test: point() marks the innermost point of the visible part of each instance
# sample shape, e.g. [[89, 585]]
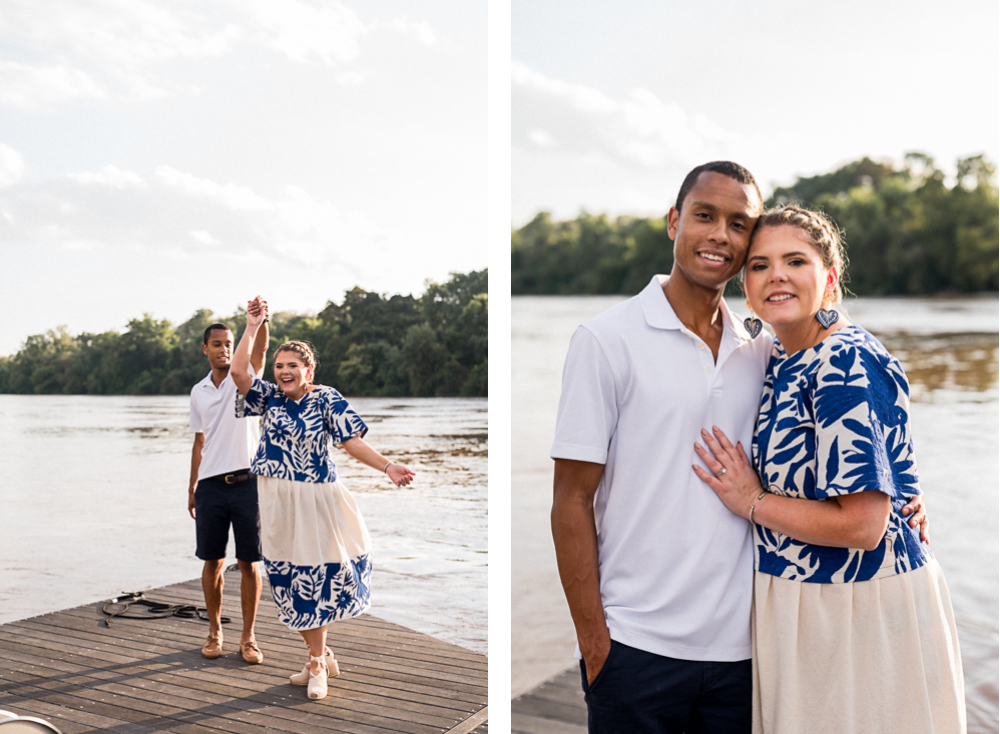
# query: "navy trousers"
[[638, 692]]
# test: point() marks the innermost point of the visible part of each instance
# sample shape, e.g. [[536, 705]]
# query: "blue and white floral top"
[[834, 420], [296, 436]]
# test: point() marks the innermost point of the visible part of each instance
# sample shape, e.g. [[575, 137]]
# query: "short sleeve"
[[588, 405], [861, 408], [194, 422], [255, 401], [341, 420]]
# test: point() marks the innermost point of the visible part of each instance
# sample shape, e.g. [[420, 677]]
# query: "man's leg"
[[212, 583], [245, 517], [638, 692], [212, 527], [249, 597], [725, 703]]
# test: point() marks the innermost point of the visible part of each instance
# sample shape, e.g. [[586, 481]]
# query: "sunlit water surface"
[[949, 350], [93, 502]]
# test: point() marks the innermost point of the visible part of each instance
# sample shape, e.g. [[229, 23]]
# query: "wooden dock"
[[555, 707], [149, 676]]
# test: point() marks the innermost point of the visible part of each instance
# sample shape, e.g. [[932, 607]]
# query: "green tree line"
[[369, 344], [908, 231]]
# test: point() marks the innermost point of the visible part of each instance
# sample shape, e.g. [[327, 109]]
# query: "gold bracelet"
[[759, 498]]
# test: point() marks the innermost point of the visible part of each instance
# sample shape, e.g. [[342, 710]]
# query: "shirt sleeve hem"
[[578, 453], [826, 493]]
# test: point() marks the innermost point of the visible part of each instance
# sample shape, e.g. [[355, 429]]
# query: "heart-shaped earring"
[[753, 326], [827, 317]]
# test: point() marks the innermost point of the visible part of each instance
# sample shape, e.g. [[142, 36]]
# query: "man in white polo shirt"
[[221, 491], [657, 572]]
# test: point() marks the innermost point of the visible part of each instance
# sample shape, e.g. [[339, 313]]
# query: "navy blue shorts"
[[638, 692], [218, 505]]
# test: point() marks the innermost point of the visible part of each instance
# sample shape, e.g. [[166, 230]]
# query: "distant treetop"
[[369, 344], [909, 230]]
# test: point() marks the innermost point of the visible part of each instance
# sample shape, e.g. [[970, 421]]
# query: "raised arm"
[[359, 449], [262, 341], [243, 351], [574, 531]]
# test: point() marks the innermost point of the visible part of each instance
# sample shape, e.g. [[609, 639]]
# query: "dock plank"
[[142, 676], [554, 707]]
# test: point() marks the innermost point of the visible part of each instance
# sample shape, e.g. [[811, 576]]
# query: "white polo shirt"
[[676, 567], [230, 442]]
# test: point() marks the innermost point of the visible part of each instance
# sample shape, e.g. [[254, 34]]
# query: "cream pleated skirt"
[[870, 657], [317, 551]]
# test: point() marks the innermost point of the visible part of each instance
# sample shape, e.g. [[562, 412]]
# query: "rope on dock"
[[156, 610]]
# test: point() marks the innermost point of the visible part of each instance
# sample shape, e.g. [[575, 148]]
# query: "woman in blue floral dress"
[[853, 629], [315, 545]]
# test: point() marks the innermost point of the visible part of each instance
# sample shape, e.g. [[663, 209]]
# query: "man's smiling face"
[[219, 348], [711, 233]]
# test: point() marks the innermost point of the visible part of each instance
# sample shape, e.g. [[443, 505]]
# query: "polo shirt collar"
[[207, 382], [659, 314]]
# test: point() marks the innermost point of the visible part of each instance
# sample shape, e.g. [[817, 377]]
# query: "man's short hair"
[[727, 168], [213, 327]]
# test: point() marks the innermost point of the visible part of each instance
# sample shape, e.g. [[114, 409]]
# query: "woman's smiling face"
[[291, 373], [785, 278]]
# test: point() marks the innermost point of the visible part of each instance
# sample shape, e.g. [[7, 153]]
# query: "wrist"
[[385, 469], [757, 498], [594, 640]]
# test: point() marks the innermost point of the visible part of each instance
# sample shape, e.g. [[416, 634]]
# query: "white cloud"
[[109, 176], [119, 33], [106, 48], [639, 130], [239, 198], [11, 166], [182, 213], [420, 30], [204, 237], [122, 49], [541, 138], [303, 31], [25, 86], [578, 96]]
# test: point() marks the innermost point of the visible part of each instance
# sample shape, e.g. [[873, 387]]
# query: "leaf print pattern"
[[834, 420], [296, 436], [312, 596]]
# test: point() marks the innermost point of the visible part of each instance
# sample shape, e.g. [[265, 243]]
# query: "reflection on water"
[[947, 362]]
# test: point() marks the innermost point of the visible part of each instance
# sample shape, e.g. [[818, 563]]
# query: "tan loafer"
[[212, 647], [251, 653]]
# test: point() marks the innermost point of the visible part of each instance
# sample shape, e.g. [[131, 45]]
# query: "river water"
[[93, 502], [949, 350]]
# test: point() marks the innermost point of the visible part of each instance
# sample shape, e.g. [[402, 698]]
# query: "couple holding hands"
[[278, 487]]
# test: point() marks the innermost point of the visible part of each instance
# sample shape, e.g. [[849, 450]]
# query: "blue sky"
[[613, 103], [164, 157]]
